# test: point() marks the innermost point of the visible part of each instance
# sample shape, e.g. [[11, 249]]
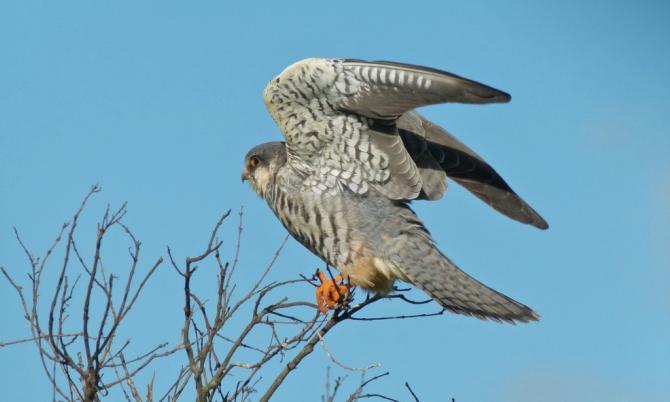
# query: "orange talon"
[[329, 293]]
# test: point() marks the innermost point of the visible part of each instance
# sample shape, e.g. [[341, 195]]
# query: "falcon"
[[355, 155]]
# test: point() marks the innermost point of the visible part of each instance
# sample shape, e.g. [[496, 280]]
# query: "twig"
[[289, 329], [411, 391], [398, 317], [337, 317], [349, 368]]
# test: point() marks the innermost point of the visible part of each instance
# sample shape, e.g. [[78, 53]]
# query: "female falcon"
[[356, 153]]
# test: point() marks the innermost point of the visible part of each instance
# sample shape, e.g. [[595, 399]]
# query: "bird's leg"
[[330, 293]]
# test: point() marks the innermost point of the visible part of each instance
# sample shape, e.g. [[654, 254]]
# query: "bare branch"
[[411, 391], [82, 370], [334, 360], [221, 361]]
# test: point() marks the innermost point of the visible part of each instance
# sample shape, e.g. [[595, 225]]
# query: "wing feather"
[[350, 124], [467, 168], [386, 90]]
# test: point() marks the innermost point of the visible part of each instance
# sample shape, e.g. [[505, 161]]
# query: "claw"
[[330, 292]]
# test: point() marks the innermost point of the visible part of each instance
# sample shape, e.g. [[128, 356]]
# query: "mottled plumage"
[[356, 153]]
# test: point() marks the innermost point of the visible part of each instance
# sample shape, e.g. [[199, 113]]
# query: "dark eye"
[[254, 161]]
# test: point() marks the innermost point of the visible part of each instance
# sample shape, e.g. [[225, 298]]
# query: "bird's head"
[[261, 165]]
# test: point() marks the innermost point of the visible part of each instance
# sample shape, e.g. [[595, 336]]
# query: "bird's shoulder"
[[300, 82]]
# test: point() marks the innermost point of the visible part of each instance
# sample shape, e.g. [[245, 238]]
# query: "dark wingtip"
[[492, 95], [536, 220], [542, 225]]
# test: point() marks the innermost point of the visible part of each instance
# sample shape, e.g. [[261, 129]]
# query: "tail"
[[458, 292]]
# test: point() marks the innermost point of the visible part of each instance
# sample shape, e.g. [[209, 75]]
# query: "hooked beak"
[[245, 175]]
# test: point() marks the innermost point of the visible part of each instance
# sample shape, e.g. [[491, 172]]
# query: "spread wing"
[[438, 154], [343, 124]]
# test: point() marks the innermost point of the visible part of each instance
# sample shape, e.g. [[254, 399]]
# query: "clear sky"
[[158, 102]]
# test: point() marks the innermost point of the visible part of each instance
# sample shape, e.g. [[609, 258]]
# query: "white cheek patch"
[[261, 179]]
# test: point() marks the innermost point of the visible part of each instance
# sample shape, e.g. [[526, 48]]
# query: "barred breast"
[[320, 224]]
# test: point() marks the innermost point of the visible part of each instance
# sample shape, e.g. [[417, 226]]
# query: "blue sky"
[[159, 102]]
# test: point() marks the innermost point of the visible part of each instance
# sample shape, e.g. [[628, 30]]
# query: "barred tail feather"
[[458, 292]]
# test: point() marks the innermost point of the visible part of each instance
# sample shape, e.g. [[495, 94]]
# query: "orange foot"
[[330, 293]]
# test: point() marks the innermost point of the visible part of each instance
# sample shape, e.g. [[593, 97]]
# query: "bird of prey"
[[356, 154]]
